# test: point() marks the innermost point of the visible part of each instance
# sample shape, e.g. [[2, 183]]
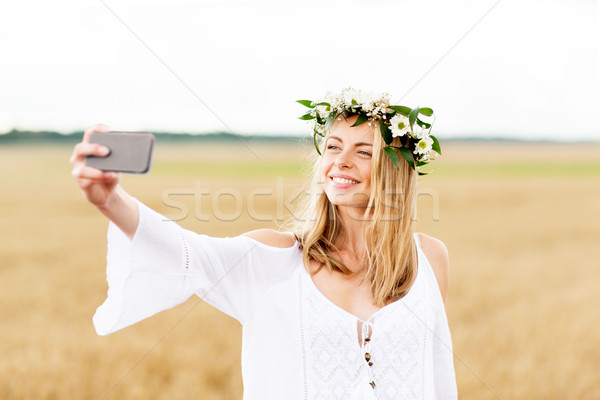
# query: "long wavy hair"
[[391, 259]]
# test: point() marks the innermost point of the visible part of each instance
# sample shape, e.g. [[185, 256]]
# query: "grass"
[[523, 169], [232, 169], [520, 221]]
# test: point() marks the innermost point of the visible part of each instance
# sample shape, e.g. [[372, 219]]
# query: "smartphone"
[[130, 152]]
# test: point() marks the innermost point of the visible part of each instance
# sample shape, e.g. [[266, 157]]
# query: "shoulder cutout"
[[272, 238], [437, 254]]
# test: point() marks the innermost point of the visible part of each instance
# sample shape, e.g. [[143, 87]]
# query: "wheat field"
[[521, 221]]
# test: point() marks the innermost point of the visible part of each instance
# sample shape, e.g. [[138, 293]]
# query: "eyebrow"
[[355, 144]]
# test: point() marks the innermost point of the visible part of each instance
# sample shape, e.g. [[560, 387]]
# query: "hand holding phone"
[[100, 186], [130, 152]]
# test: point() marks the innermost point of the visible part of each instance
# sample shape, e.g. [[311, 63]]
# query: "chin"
[[356, 200]]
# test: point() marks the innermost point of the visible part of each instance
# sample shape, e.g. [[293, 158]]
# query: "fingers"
[[96, 184], [82, 172], [99, 128], [105, 181], [83, 149], [87, 185]]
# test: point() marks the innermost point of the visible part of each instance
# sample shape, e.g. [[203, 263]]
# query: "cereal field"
[[521, 221]]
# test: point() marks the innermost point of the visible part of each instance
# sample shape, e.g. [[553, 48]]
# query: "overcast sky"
[[488, 68]]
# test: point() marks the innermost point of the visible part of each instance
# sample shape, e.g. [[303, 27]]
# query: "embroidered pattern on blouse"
[[187, 260], [399, 342], [335, 363], [302, 341]]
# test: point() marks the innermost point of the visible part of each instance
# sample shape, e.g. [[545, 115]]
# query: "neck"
[[350, 241]]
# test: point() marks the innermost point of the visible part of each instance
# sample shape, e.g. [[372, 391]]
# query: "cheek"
[[368, 183], [322, 171], [324, 165], [366, 172]]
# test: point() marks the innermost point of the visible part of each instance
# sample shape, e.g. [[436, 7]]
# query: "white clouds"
[[76, 64]]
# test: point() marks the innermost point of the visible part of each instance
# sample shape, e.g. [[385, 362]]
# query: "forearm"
[[122, 210]]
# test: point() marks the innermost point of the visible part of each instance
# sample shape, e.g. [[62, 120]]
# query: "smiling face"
[[345, 166]]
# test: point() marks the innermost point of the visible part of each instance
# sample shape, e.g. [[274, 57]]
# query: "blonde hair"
[[391, 259]]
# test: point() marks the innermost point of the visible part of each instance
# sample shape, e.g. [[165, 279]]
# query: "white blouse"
[[297, 344]]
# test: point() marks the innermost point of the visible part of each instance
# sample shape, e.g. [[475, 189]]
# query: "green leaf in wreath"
[[324, 103], [408, 156], [391, 153], [307, 116], [412, 116], [436, 145], [330, 118], [386, 133], [401, 109], [306, 103], [426, 111], [362, 118], [423, 124], [320, 120]]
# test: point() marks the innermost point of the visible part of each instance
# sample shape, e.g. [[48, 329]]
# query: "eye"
[[332, 147], [365, 153]]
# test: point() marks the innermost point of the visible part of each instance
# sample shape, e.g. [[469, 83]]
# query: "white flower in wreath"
[[424, 145], [368, 106], [418, 132], [335, 103], [322, 110], [349, 95], [376, 111], [399, 125]]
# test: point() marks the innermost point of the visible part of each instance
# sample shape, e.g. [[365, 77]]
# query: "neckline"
[[340, 310]]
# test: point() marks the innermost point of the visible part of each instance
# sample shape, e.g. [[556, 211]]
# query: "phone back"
[[130, 152]]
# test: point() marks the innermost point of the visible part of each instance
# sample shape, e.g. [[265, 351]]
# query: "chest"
[[353, 295]]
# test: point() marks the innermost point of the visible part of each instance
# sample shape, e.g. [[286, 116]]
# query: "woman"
[[348, 306]]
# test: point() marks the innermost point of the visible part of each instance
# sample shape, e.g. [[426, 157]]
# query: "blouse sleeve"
[[164, 264]]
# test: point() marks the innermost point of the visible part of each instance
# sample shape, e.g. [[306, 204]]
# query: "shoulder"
[[272, 238], [437, 254]]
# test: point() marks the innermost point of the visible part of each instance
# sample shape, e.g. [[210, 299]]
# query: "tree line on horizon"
[[26, 137], [17, 136]]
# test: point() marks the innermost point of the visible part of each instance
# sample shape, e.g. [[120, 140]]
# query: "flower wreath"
[[417, 144]]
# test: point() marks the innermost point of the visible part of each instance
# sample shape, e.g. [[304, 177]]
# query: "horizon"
[[161, 135]]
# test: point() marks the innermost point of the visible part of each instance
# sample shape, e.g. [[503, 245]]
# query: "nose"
[[342, 161]]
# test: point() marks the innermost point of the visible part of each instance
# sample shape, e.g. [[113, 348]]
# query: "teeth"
[[343, 180]]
